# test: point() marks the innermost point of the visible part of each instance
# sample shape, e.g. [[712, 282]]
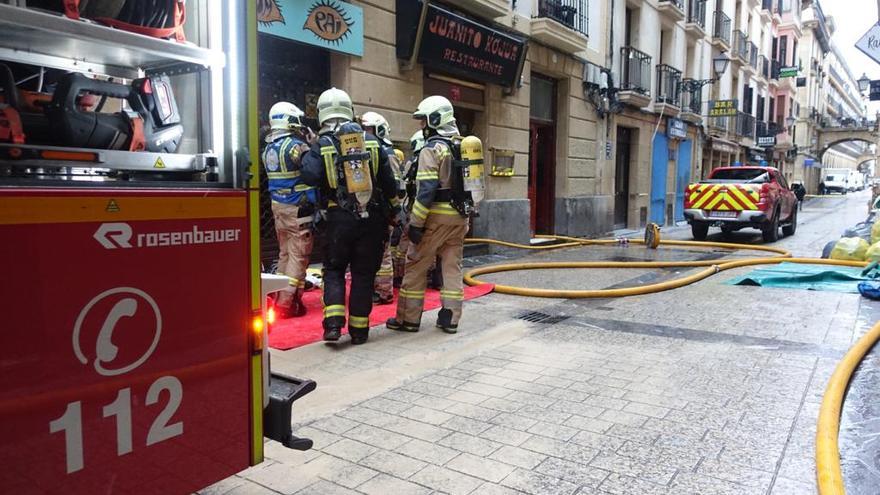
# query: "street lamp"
[[790, 121], [864, 83], [719, 66]]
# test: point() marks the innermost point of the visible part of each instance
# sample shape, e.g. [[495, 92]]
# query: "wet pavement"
[[706, 389]]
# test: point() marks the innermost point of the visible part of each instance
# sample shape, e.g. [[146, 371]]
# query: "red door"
[[542, 176]]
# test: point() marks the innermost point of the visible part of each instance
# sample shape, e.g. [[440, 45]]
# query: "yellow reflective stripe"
[[412, 294], [454, 295], [302, 187], [334, 310], [427, 176], [373, 148], [442, 209], [385, 273], [282, 175], [327, 153], [358, 321], [419, 211]]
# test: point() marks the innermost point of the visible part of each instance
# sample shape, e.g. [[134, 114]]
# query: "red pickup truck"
[[737, 197]]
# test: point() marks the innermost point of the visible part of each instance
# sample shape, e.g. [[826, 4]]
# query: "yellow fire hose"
[[828, 473]]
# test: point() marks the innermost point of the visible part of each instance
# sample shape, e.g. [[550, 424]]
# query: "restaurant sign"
[[459, 46]]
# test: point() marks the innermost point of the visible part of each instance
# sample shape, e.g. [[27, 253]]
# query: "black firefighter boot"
[[297, 308], [401, 326], [332, 332], [444, 321], [358, 335]]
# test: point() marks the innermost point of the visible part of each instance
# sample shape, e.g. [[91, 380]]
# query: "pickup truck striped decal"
[[724, 197]]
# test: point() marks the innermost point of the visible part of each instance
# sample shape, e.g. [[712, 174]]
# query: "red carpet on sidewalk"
[[296, 332]]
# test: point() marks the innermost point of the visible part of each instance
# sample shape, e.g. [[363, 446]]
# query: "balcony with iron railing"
[[775, 66], [672, 8], [721, 25], [753, 56], [691, 101], [745, 125], [720, 125], [562, 24], [740, 50], [635, 77], [668, 87], [764, 67], [696, 18]]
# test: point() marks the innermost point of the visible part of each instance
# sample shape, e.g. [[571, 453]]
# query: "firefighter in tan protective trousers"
[[436, 228], [375, 124], [293, 202]]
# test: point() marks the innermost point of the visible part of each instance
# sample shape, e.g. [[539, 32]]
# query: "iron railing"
[[569, 13], [691, 97], [774, 69], [740, 45], [753, 55], [745, 125], [668, 85], [721, 27], [696, 13], [635, 70], [766, 129], [677, 3], [764, 66], [722, 123]]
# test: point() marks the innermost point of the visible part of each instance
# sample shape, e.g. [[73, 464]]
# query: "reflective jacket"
[[282, 159], [319, 170], [434, 185]]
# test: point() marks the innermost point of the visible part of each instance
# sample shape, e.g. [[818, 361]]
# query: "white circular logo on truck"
[[129, 313]]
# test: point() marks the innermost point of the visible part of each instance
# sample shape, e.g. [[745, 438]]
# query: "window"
[[783, 50], [739, 174]]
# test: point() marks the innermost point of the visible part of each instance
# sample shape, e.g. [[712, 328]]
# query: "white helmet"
[[436, 110], [334, 104], [377, 122], [285, 116], [417, 141]]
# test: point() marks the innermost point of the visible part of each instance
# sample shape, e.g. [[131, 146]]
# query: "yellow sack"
[[850, 249], [875, 233], [873, 253]]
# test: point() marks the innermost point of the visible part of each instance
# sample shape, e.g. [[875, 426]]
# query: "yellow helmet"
[[377, 122], [436, 110], [334, 104], [400, 156], [417, 141]]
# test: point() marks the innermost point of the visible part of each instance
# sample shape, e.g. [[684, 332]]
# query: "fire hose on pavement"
[[828, 472]]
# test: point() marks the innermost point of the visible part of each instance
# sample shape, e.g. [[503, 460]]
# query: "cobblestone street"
[[707, 389]]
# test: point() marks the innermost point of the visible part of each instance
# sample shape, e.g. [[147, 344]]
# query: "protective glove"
[[415, 234]]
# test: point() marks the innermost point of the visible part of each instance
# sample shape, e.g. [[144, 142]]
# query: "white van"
[[856, 180], [836, 180]]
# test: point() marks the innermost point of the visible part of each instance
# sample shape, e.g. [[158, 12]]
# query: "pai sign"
[[330, 24]]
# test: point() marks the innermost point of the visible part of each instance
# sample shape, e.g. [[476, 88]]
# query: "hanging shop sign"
[[874, 91], [454, 44], [869, 43], [722, 108], [766, 141], [329, 24], [788, 72], [676, 128]]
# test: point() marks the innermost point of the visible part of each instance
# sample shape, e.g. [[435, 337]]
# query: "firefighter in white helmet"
[[359, 200], [376, 125], [293, 202], [439, 219]]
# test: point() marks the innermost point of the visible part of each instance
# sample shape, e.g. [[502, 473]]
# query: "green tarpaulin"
[[809, 277]]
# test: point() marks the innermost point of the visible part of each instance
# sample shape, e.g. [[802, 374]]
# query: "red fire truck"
[[133, 349]]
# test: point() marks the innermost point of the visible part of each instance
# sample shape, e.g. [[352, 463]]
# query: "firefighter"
[[438, 223], [358, 200], [399, 240], [293, 202], [375, 124]]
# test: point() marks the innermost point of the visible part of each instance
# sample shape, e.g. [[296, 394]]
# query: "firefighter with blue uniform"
[[293, 202], [358, 203], [450, 184]]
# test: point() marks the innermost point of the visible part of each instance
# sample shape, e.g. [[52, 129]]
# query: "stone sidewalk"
[[709, 389]]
